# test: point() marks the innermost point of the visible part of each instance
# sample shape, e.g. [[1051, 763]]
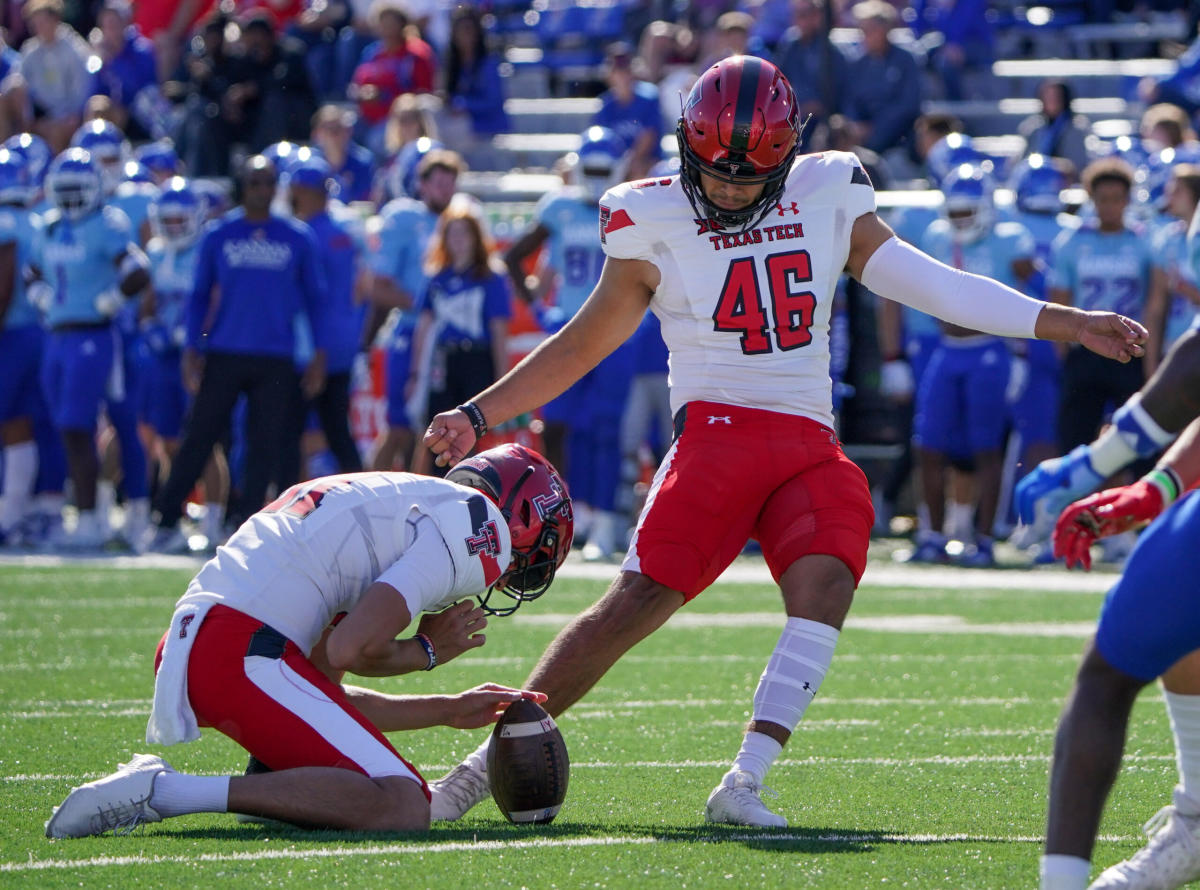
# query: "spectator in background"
[[461, 341], [666, 56], [128, 72], [883, 88], [318, 28], [842, 133], [310, 183], [770, 20], [255, 273], [274, 98], [399, 62], [730, 37], [411, 124], [630, 109], [13, 97], [1165, 126], [1182, 87], [813, 65], [968, 42], [1175, 298], [169, 25], [353, 165], [205, 133], [54, 68], [474, 91], [1057, 132]]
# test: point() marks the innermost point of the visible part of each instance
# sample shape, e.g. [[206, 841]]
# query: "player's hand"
[[1113, 336], [1100, 515], [455, 630], [450, 437], [313, 379], [484, 704], [1055, 483], [896, 380]]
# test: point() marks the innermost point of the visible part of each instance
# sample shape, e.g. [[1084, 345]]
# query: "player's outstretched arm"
[[609, 317], [472, 709]]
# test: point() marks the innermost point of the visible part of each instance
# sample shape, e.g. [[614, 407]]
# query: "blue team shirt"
[[1171, 255], [78, 260], [135, 199], [266, 273], [339, 258], [406, 227], [573, 250], [16, 227], [173, 275], [355, 176], [628, 121], [1045, 228], [992, 255], [1103, 270], [463, 305]]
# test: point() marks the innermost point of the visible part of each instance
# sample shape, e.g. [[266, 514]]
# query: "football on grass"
[[527, 764]]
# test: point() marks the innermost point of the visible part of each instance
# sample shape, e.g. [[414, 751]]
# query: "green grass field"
[[922, 763]]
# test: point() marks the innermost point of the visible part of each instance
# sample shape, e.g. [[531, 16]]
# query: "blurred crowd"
[[235, 251]]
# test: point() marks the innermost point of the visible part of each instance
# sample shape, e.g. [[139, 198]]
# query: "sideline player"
[[318, 583], [739, 257], [1147, 627]]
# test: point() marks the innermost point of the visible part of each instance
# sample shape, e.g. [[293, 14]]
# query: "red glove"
[[1102, 514]]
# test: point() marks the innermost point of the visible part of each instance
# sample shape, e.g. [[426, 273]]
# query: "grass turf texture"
[[922, 763]]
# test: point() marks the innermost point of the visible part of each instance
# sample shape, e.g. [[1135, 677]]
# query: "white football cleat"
[[1171, 859], [736, 801], [456, 792], [168, 541], [118, 803]]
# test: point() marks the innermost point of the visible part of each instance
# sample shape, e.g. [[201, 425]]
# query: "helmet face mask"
[[534, 502], [740, 125]]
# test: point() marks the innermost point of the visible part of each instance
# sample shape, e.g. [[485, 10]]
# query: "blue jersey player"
[[86, 264], [583, 425], [1101, 265], [968, 374], [396, 262]]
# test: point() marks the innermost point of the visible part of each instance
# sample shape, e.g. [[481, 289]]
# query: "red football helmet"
[[534, 501], [740, 124]]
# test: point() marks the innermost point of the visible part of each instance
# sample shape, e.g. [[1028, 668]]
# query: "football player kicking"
[[1147, 627], [316, 584], [739, 256]]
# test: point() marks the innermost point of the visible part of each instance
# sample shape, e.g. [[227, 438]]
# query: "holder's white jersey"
[[312, 553], [746, 315]]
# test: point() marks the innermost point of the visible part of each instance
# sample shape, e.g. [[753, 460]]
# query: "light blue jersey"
[[1045, 228], [574, 252], [1104, 270], [399, 252], [134, 198], [17, 226], [992, 255], [78, 260], [173, 275], [1171, 255]]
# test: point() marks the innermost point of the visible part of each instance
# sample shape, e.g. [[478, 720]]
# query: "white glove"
[[896, 379], [109, 302], [40, 295]]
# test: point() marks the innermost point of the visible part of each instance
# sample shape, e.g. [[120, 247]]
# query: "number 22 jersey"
[[745, 315]]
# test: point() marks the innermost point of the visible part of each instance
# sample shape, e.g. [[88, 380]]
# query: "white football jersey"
[[746, 315], [312, 553]]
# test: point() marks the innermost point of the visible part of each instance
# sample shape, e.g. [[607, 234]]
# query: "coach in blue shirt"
[[255, 273]]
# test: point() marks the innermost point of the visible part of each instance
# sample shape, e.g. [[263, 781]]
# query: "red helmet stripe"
[[746, 105]]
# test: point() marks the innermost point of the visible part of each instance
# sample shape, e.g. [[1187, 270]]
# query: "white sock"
[[960, 521], [1064, 872], [214, 519], [758, 753], [175, 794], [790, 681], [20, 474], [924, 523], [1184, 711], [477, 759]]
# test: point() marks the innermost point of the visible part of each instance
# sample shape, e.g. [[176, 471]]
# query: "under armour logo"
[[725, 419], [807, 687], [780, 209]]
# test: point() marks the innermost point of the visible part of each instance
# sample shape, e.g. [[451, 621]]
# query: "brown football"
[[527, 764]]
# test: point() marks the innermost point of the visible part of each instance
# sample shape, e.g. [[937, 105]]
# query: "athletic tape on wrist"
[[478, 422]]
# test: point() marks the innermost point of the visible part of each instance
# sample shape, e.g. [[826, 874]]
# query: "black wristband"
[[427, 645], [478, 423]]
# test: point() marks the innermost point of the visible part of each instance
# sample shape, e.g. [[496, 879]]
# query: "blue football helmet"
[[311, 170], [178, 213], [108, 147], [136, 171], [1038, 184], [600, 161], [15, 185], [36, 152], [74, 183], [968, 206], [948, 153], [160, 158]]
